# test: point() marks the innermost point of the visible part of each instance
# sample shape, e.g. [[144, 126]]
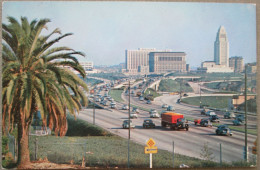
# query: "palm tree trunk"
[[23, 144]]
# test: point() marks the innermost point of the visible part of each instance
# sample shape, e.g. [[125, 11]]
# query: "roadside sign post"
[[173, 154], [150, 149]]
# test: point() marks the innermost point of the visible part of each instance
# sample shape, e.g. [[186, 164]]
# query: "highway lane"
[[186, 142]]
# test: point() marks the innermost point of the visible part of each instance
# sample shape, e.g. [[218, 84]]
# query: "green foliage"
[[93, 81], [4, 144], [153, 94], [212, 101], [169, 85], [116, 94], [80, 127], [206, 153], [8, 161], [109, 76]]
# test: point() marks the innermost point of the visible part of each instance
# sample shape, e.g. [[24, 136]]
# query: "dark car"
[[170, 108], [148, 123], [214, 118], [205, 123], [223, 130], [149, 102]]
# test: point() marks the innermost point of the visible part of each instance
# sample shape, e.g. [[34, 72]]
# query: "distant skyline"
[[104, 30]]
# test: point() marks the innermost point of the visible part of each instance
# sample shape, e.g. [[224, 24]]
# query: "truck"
[[139, 93], [174, 120]]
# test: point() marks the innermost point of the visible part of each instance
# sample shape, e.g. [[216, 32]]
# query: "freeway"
[[187, 143]]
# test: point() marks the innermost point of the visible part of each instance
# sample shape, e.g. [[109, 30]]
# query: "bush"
[[80, 127], [8, 161]]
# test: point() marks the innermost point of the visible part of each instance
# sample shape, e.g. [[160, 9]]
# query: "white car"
[[154, 115], [113, 105], [125, 107], [210, 113], [133, 115]]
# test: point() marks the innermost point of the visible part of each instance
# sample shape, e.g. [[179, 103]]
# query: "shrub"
[[80, 127]]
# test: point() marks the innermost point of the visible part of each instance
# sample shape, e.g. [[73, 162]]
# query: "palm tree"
[[36, 76]]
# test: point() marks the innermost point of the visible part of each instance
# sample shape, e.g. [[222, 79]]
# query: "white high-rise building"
[[221, 50]]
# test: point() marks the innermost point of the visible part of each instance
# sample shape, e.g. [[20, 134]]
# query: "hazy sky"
[[104, 30]]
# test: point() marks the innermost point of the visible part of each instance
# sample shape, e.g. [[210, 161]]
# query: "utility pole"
[[246, 155], [200, 94], [128, 162], [94, 107], [180, 89]]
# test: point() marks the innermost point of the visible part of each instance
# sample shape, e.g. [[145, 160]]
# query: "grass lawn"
[[169, 85], [212, 101], [116, 94], [152, 92], [106, 152]]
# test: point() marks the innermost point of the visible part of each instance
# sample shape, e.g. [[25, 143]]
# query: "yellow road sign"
[[150, 143], [150, 150]]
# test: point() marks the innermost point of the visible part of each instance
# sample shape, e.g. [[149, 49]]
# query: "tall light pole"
[[246, 156], [128, 162], [94, 106], [200, 95]]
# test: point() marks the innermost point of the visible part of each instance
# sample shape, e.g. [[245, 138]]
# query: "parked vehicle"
[[214, 118], [148, 123], [229, 115], [164, 105], [170, 108], [132, 92], [133, 115], [126, 124], [125, 107], [223, 130], [203, 122], [174, 121]]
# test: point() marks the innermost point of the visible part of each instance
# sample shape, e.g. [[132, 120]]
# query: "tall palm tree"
[[36, 76]]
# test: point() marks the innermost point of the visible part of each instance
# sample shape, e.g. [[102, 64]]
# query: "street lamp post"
[[94, 107], [200, 95], [246, 155], [128, 162]]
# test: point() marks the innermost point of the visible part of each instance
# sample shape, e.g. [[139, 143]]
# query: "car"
[[214, 118], [210, 113], [223, 130], [132, 92], [113, 105], [152, 111], [105, 103], [205, 123], [154, 115], [133, 115], [148, 123], [229, 115], [126, 124], [105, 95], [204, 111], [91, 96], [179, 101], [125, 107], [185, 95], [148, 102], [136, 110], [170, 108], [141, 98], [164, 105], [97, 100]]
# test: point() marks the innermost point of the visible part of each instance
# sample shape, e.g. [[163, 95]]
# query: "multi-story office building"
[[138, 58], [161, 62], [221, 48], [237, 63], [87, 65], [135, 58]]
